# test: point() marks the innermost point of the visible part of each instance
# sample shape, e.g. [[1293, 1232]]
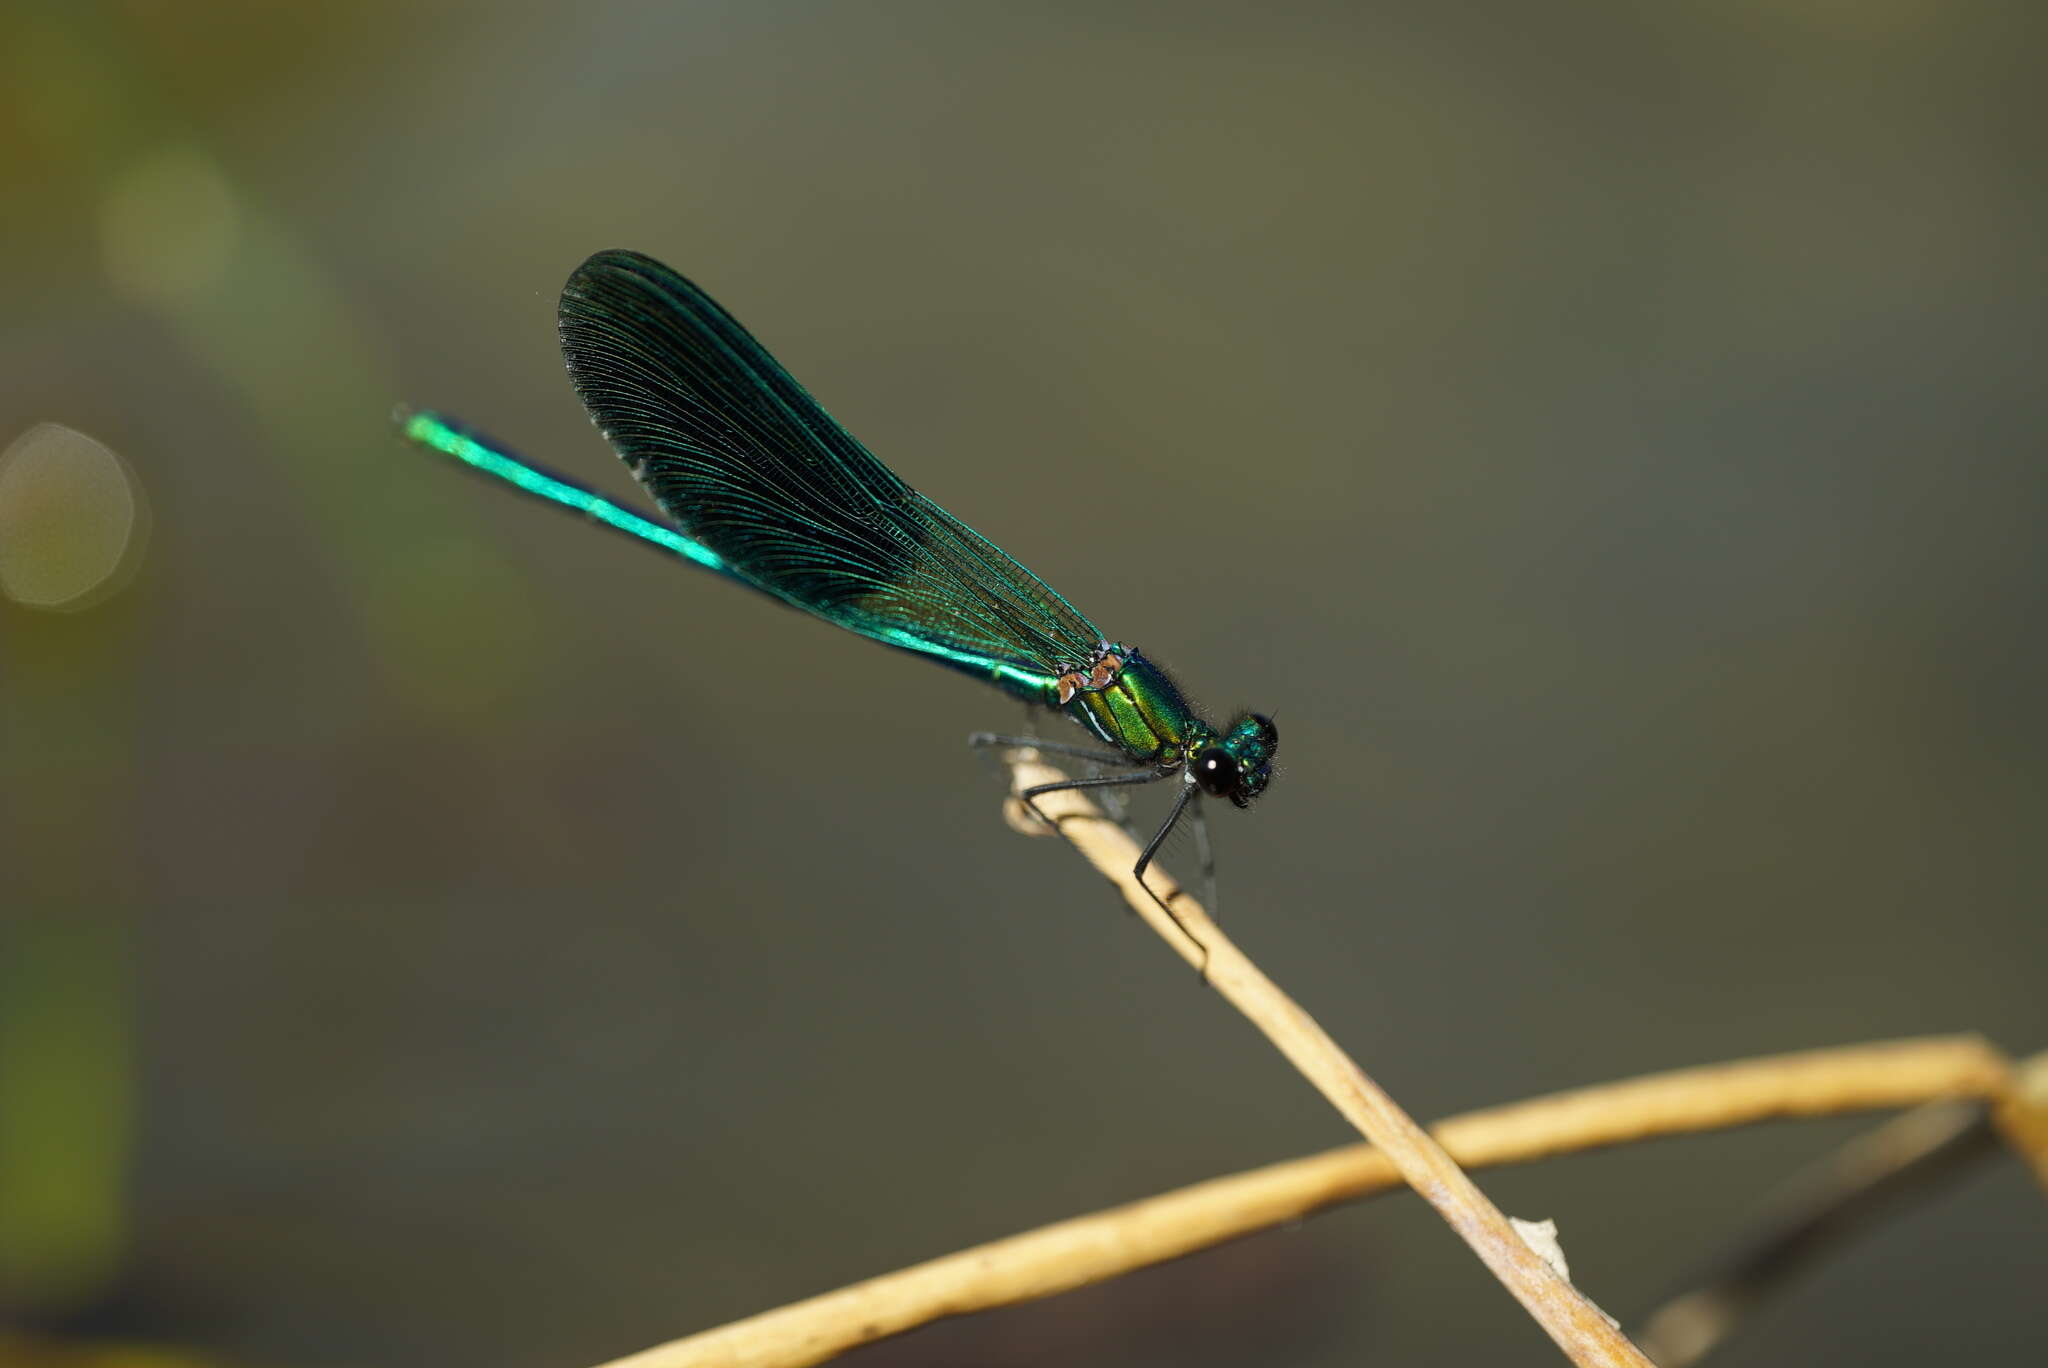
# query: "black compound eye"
[[1216, 771]]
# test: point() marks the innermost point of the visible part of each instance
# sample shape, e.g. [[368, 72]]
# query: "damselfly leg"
[[1114, 781], [1112, 799]]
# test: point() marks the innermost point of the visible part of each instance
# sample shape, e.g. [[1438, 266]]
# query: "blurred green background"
[[436, 934]]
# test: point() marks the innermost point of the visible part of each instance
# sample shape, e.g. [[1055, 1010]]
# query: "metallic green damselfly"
[[762, 486]]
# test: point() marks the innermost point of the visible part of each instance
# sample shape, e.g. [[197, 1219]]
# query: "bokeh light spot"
[[72, 519]]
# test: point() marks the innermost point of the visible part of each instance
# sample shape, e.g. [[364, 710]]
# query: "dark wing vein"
[[745, 460]]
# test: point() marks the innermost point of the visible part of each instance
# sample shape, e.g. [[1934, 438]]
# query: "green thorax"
[[1126, 701]]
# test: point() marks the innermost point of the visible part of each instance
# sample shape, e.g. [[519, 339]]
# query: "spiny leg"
[[1150, 776], [1187, 795], [1096, 753], [1028, 736], [1111, 801], [1030, 795], [1105, 783]]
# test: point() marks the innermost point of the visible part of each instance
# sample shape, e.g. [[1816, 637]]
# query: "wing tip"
[[601, 270]]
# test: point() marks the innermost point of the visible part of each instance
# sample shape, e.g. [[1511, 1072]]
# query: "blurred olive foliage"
[[1607, 436]]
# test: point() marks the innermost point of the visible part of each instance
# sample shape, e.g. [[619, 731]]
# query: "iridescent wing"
[[745, 461]]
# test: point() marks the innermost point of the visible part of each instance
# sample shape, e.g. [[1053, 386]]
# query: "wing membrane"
[[746, 461]]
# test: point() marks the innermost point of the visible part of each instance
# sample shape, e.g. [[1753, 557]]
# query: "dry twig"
[[1058, 1258], [1911, 1156], [1579, 1328], [1087, 1249], [1822, 1209]]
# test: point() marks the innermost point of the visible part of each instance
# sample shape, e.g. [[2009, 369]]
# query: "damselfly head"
[[1238, 766]]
